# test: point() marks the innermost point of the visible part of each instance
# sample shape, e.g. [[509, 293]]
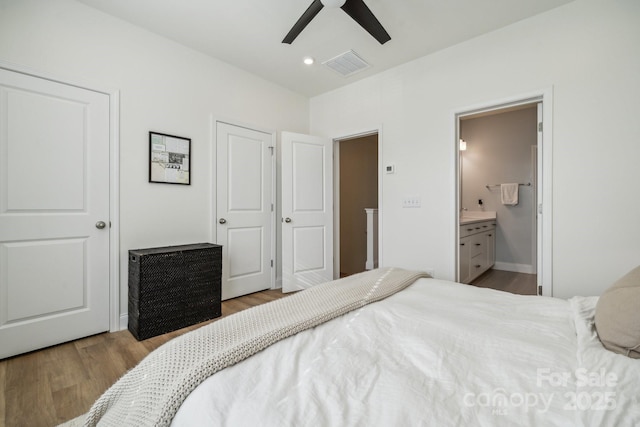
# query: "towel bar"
[[528, 184]]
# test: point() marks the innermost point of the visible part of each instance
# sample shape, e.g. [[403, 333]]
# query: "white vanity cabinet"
[[477, 248]]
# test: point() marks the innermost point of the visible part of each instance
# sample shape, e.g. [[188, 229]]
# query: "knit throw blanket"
[[151, 393]]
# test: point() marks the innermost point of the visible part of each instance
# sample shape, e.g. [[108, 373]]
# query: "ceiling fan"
[[354, 8]]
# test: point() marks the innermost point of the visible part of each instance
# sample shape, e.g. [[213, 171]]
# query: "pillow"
[[618, 315]]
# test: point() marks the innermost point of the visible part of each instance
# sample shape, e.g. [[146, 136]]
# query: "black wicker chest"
[[173, 287]]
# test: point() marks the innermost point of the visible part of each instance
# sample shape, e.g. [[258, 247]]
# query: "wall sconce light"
[[463, 145]]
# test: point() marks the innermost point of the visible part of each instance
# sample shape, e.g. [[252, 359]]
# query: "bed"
[[432, 352]]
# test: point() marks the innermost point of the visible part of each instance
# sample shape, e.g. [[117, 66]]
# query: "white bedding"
[[438, 353]]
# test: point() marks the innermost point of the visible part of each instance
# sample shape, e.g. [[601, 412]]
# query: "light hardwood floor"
[[516, 283], [51, 386]]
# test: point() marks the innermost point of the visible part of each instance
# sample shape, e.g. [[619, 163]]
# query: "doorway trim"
[[214, 186], [117, 321], [544, 178], [336, 193]]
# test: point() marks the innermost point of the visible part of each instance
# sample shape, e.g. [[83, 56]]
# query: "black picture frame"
[[169, 159]]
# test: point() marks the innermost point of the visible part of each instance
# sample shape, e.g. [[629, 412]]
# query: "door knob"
[[100, 225], [287, 220], [222, 221]]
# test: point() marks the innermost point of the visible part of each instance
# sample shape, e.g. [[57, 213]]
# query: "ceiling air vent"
[[347, 63]]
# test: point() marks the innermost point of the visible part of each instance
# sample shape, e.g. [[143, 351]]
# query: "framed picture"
[[169, 159]]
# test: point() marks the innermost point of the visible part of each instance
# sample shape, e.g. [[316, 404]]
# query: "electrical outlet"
[[411, 202]]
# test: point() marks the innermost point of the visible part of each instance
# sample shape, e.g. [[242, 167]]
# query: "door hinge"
[[540, 127], [540, 208], [271, 149], [271, 263], [539, 289], [271, 207]]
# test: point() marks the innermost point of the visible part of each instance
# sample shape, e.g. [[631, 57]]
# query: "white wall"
[[499, 151], [164, 87], [588, 52]]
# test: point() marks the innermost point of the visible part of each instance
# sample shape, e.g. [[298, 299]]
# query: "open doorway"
[[500, 148], [356, 204], [531, 172]]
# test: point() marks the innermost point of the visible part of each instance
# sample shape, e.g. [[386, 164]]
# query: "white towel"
[[509, 194]]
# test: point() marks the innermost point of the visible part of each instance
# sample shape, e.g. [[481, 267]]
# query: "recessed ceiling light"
[[308, 60]]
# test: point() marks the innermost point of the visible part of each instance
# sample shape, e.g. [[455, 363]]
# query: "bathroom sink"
[[473, 216]]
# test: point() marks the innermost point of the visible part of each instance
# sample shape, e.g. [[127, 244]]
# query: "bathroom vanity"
[[477, 245]]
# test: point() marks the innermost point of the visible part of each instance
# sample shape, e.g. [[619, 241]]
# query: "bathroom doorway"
[[356, 186], [503, 144]]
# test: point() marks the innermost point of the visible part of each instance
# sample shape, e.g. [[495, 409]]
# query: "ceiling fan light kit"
[[356, 9], [333, 3]]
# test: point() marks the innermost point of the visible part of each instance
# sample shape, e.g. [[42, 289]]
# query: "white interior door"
[[54, 194], [244, 209], [307, 211]]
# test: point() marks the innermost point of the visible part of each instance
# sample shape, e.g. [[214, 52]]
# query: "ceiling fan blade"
[[304, 20], [367, 20]]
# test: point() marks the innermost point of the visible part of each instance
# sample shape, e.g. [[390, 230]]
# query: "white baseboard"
[[124, 321], [516, 268]]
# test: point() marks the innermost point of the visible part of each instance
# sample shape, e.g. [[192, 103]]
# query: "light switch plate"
[[411, 202]]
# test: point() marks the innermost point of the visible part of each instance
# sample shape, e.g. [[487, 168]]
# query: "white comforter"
[[436, 354]]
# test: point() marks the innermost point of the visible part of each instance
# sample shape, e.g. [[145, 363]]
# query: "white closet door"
[[244, 209], [54, 213]]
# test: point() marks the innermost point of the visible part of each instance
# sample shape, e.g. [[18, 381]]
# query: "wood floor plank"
[[63, 366], [3, 399], [103, 369], [65, 402], [508, 281], [131, 350], [234, 306], [28, 396]]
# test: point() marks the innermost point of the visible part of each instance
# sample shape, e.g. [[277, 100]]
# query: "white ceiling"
[[248, 33]]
